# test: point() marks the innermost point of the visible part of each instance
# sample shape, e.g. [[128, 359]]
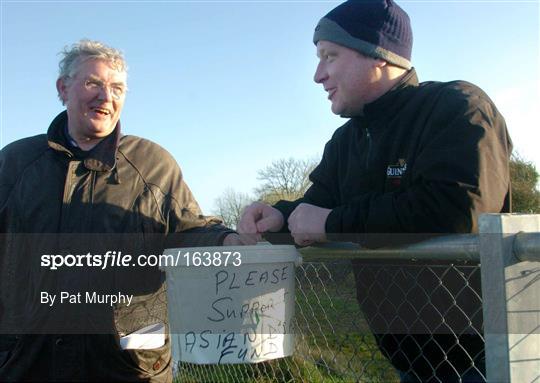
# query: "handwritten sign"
[[223, 315]]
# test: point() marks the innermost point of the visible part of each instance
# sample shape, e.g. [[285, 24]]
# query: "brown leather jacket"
[[126, 195]]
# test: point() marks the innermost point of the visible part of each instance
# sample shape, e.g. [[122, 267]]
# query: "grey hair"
[[83, 50]]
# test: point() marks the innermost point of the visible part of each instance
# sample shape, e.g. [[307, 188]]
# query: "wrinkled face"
[[94, 98], [348, 77]]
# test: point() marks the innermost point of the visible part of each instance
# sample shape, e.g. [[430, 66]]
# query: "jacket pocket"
[[7, 345], [145, 309], [152, 361], [4, 356]]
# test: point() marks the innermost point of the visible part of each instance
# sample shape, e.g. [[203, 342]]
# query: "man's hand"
[[259, 218], [307, 224], [234, 239]]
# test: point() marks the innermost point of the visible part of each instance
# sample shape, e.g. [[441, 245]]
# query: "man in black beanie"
[[413, 158]]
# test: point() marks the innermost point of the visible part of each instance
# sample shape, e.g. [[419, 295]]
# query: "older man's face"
[[349, 78], [94, 98]]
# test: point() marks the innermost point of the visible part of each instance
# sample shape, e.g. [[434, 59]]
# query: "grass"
[[333, 341]]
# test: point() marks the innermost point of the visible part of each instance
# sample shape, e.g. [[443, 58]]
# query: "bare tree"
[[229, 206], [286, 179]]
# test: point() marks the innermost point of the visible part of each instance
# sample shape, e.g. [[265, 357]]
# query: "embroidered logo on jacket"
[[395, 172]]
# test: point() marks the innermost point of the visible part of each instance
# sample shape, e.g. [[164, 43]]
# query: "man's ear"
[[380, 63], [61, 87]]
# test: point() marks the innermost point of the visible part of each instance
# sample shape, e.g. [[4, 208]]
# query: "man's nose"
[[105, 93], [320, 74]]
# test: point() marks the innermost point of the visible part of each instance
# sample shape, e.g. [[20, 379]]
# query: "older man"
[[413, 158], [89, 182]]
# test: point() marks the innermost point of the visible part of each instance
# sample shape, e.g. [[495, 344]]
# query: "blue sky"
[[227, 87]]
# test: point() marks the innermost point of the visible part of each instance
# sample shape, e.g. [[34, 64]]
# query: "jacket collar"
[[392, 101], [101, 158]]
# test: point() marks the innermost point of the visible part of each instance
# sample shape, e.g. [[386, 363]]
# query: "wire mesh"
[[374, 321]]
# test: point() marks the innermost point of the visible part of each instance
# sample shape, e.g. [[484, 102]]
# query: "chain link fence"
[[357, 320]]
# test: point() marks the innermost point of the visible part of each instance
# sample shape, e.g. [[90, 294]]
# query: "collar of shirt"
[[101, 158]]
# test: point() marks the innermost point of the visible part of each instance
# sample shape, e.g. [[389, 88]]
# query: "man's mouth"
[[101, 111], [331, 93]]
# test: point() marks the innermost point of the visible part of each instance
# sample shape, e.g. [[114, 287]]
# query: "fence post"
[[511, 300]]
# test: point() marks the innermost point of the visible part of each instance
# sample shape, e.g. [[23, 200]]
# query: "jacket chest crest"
[[394, 172]]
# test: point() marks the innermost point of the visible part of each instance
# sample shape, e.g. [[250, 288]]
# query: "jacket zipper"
[[368, 138]]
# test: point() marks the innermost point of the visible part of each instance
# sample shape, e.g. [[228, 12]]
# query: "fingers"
[[239, 240], [250, 239], [272, 222], [259, 218], [299, 238], [307, 224], [302, 240], [295, 219], [249, 218]]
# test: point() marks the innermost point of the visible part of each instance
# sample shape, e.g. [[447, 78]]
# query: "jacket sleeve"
[[321, 192], [460, 170], [187, 225], [5, 187]]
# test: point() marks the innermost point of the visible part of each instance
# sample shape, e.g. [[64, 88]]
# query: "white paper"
[[146, 338], [237, 315]]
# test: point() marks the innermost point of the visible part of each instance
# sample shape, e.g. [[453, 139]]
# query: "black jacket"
[[425, 158], [127, 194]]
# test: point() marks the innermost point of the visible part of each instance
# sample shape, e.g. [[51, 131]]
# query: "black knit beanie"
[[375, 28]]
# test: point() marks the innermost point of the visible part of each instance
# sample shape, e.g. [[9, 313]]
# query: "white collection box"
[[231, 304]]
